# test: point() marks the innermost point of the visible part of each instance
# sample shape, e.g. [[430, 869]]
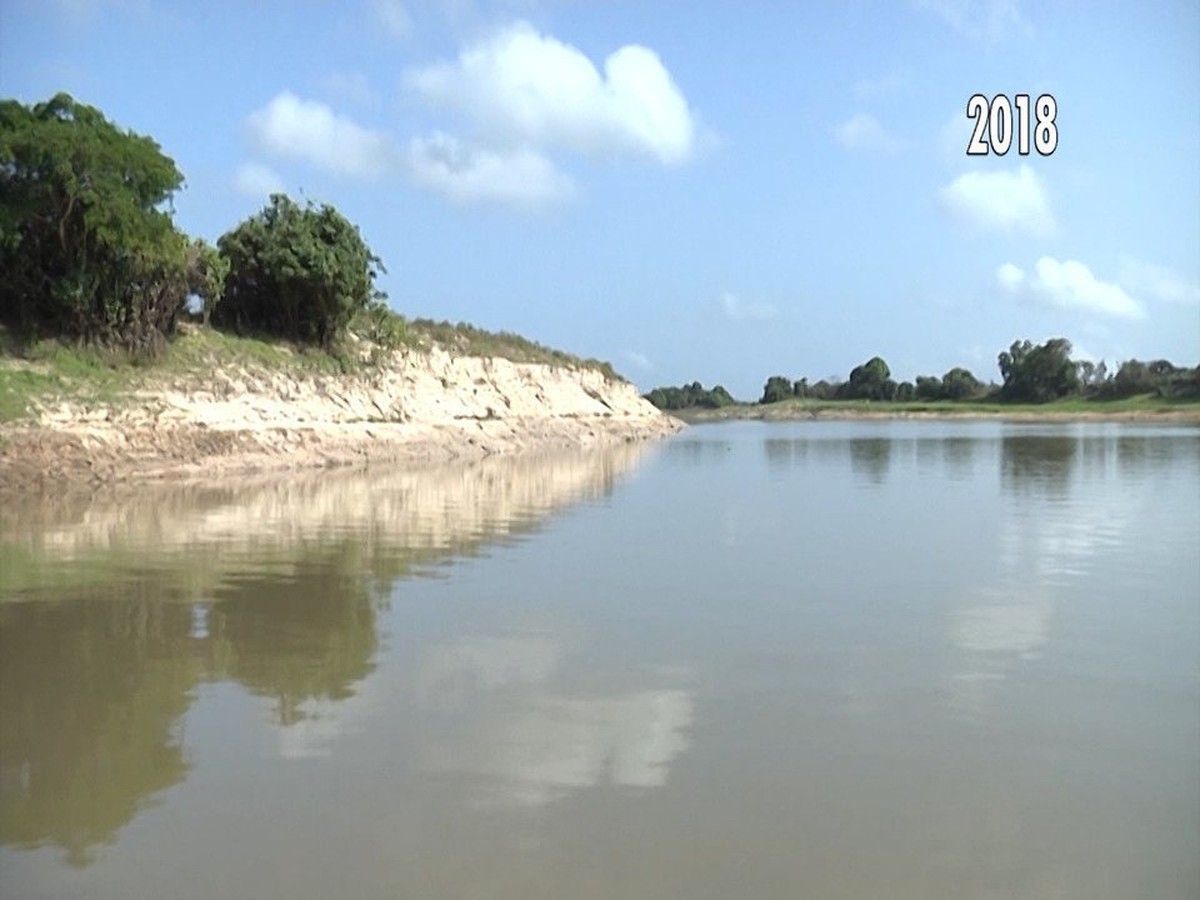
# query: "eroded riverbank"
[[420, 406]]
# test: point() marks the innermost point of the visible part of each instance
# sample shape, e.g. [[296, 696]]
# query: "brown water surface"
[[827, 659]]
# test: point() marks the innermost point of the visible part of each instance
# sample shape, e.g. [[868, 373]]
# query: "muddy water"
[[810, 659]]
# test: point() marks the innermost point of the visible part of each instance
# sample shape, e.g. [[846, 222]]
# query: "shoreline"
[[41, 460], [766, 413]]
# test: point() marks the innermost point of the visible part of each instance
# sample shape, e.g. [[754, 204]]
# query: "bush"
[[296, 272], [378, 324]]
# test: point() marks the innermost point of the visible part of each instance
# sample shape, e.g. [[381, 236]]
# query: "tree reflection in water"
[[124, 605]]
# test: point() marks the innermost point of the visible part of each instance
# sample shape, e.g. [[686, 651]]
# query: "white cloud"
[[523, 88], [254, 179], [989, 20], [641, 360], [1069, 285], [738, 310], [292, 128], [526, 94], [392, 16], [863, 132], [1010, 277], [1004, 201], [1157, 283], [466, 174]]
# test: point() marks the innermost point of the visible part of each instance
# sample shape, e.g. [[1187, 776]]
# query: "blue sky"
[[712, 191]]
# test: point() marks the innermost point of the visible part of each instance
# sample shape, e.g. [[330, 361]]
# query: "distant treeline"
[[1030, 373], [690, 396]]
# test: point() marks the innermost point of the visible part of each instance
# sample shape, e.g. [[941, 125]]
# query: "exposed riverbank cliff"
[[409, 405]]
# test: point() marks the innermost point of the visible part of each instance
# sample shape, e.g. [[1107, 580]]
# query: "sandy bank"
[[419, 406]]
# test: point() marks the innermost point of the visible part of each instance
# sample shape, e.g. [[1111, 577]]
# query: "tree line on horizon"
[[91, 251], [1030, 373]]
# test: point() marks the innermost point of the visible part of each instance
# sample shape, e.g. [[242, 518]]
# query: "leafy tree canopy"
[[690, 396], [1159, 376], [1037, 374], [89, 250], [960, 384], [776, 389], [870, 381], [300, 272], [928, 387]]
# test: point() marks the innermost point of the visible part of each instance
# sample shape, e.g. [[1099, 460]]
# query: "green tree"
[[1161, 368], [823, 390], [719, 397], [1037, 374], [870, 381], [297, 272], [1159, 376], [690, 396], [928, 387], [960, 384], [905, 392], [89, 251], [776, 389], [1132, 378]]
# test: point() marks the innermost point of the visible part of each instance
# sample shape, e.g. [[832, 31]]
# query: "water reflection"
[[274, 585], [308, 636], [502, 714], [91, 694], [1038, 463], [954, 456], [1062, 517], [784, 452], [757, 675], [691, 450], [390, 516], [870, 458], [958, 457]]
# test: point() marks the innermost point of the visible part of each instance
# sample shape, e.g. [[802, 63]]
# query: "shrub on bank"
[[298, 272]]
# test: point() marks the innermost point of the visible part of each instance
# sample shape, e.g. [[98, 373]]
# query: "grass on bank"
[[34, 373], [467, 340]]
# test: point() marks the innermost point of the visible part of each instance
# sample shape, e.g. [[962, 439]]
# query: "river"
[[826, 659]]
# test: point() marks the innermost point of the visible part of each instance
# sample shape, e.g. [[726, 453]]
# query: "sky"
[[712, 191]]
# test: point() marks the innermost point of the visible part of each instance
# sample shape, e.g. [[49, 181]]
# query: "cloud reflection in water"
[[502, 716]]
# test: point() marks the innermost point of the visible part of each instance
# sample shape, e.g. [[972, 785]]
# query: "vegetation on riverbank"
[[1036, 379], [102, 295], [1140, 407], [38, 374]]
